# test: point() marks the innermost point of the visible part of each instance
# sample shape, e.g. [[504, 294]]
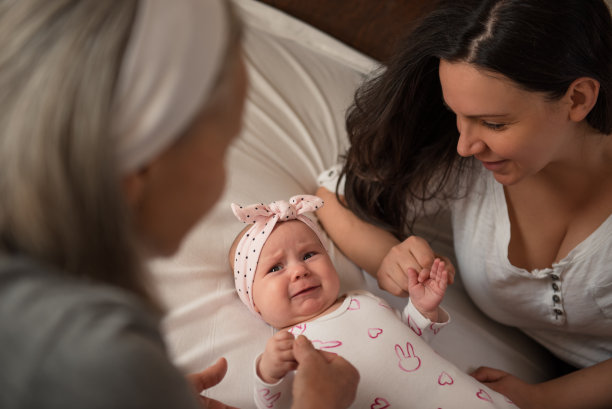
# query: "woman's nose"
[[469, 144]]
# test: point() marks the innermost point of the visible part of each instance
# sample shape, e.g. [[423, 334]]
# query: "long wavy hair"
[[403, 139], [61, 202]]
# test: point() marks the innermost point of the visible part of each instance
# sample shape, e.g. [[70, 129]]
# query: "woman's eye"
[[494, 126], [275, 269], [308, 255]]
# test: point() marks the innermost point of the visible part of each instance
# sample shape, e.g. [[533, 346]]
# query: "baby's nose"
[[298, 271]]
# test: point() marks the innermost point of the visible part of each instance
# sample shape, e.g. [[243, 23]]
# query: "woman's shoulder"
[[474, 178], [475, 186], [29, 290], [70, 340]]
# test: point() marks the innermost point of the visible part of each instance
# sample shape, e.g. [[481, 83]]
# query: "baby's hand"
[[277, 358], [427, 288]]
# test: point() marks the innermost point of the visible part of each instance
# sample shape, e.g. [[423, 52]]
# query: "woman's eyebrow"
[[474, 116]]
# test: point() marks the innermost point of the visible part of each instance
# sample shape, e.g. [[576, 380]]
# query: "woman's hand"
[[519, 392], [587, 388], [208, 378], [323, 380], [413, 253]]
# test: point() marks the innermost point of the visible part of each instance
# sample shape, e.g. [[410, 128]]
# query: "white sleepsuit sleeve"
[[422, 325], [272, 395]]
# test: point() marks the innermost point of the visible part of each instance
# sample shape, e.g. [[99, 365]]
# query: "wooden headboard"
[[370, 26]]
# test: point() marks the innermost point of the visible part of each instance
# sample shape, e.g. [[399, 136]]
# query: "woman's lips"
[[493, 166]]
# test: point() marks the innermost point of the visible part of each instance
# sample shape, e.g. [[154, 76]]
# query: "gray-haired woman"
[[115, 116]]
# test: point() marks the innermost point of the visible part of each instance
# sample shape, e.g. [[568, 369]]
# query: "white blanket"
[[301, 82]]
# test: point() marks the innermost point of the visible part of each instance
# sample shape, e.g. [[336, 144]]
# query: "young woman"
[[500, 111], [115, 119]]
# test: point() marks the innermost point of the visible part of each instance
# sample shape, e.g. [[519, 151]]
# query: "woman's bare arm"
[[363, 243]]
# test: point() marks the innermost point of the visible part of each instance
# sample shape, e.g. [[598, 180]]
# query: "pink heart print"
[[298, 330], [354, 305], [481, 394], [435, 330], [382, 304], [374, 332], [380, 403], [445, 379], [265, 394], [326, 344], [414, 327], [408, 360]]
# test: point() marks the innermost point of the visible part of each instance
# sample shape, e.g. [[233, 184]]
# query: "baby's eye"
[[275, 269], [309, 254]]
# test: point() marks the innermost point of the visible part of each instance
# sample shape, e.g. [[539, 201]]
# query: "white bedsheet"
[[301, 82]]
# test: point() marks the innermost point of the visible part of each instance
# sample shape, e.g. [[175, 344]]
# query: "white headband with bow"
[[264, 218]]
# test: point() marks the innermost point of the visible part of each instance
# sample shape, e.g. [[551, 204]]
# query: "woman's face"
[[178, 187], [513, 132]]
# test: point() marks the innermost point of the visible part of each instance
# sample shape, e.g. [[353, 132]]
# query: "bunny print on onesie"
[[397, 366]]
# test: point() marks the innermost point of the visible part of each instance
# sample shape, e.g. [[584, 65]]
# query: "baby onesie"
[[398, 368]]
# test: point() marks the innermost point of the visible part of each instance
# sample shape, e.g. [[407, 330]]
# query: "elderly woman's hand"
[[322, 380], [208, 378]]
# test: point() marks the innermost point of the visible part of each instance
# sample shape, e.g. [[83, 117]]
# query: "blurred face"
[[513, 132], [295, 279], [177, 188]]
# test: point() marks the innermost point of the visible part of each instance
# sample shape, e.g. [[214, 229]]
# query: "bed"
[[301, 82]]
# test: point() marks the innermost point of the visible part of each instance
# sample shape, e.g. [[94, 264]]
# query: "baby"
[[284, 275]]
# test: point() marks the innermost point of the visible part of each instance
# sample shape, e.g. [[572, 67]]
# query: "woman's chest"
[[547, 224], [575, 287]]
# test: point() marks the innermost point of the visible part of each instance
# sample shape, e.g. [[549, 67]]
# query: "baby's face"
[[295, 279]]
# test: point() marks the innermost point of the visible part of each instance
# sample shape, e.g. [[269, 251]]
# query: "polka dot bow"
[[264, 218]]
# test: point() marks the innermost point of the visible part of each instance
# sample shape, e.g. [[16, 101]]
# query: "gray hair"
[[60, 198], [60, 188]]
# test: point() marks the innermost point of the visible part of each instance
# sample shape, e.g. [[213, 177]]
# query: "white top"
[[397, 367], [567, 307]]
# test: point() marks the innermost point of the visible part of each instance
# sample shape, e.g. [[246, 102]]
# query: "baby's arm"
[[277, 359], [427, 288], [423, 313]]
